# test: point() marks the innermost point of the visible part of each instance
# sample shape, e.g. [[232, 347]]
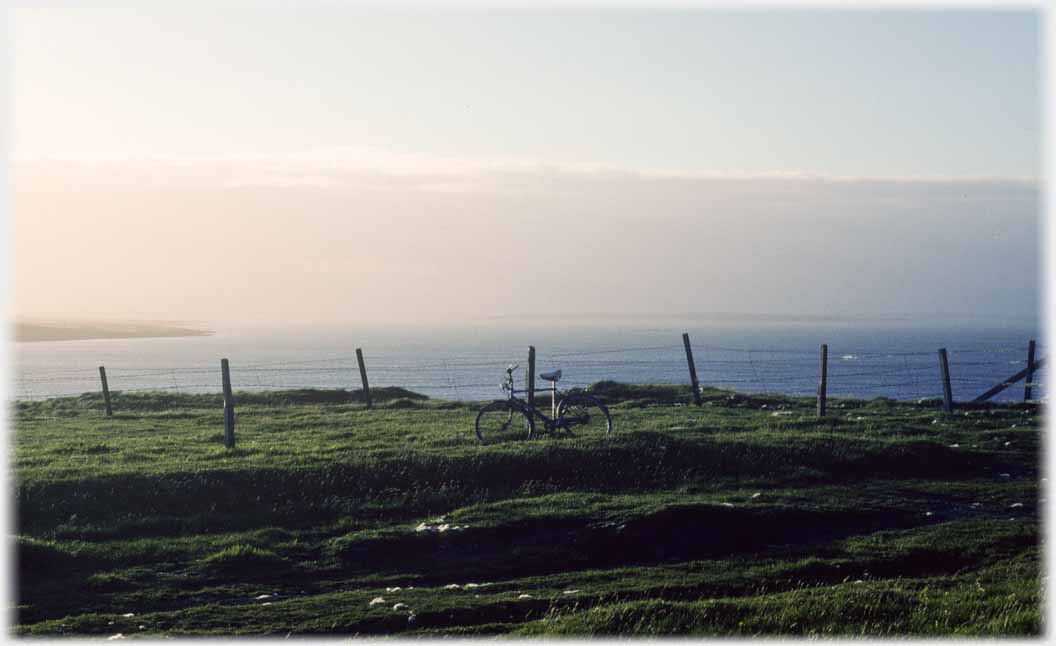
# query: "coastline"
[[38, 333]]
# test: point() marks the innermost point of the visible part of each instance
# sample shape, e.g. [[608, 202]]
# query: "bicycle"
[[577, 414]]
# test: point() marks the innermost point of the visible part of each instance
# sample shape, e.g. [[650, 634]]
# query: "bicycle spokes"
[[584, 416], [502, 421]]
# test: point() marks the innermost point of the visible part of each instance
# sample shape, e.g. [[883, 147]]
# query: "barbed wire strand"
[[793, 374]]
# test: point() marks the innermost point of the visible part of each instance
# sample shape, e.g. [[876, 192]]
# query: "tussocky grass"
[[687, 520]]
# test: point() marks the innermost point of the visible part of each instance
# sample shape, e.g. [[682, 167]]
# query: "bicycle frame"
[[550, 424]]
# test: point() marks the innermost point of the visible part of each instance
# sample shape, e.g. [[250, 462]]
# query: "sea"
[[896, 360]]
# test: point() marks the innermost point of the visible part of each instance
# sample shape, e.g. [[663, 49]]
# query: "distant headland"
[[77, 330]]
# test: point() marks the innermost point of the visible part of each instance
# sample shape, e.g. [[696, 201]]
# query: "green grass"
[[744, 516]]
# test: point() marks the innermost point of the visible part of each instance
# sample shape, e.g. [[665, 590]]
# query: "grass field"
[[744, 516]]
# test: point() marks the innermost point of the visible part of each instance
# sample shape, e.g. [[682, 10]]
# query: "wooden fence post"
[[947, 392], [1038, 363], [692, 368], [1030, 372], [530, 387], [106, 390], [823, 380], [363, 377], [229, 405]]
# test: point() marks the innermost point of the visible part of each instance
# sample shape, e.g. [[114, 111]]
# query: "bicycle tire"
[[585, 413], [490, 427]]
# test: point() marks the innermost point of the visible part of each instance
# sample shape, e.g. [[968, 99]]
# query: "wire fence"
[[851, 372]]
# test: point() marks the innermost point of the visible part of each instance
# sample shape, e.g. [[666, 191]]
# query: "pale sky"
[[333, 164]]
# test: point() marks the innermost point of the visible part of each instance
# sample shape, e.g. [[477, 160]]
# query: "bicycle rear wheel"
[[585, 416], [503, 421]]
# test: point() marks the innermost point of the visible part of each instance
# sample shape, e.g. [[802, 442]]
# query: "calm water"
[[892, 360]]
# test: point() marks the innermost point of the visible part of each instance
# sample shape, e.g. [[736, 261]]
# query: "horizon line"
[[352, 159]]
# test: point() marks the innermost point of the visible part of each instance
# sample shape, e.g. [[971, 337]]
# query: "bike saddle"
[[553, 375]]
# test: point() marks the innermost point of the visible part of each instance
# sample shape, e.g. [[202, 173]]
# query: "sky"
[[337, 164]]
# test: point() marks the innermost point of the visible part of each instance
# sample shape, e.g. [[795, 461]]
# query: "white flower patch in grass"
[[525, 596], [452, 586], [261, 597], [570, 592], [395, 589], [438, 526], [377, 601], [399, 606]]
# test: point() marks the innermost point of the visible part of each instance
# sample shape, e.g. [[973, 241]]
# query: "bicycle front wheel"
[[585, 416], [503, 421]]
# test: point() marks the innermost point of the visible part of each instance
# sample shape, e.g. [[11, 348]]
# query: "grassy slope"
[[744, 516]]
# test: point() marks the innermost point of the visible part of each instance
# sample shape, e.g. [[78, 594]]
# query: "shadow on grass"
[[540, 546]]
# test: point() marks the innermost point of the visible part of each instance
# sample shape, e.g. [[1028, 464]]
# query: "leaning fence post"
[[229, 406], [947, 392], [692, 368], [823, 380], [110, 411], [1030, 372], [531, 376], [363, 377]]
